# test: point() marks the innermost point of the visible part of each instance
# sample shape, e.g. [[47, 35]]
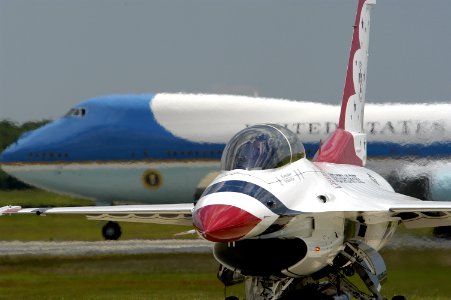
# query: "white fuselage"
[[325, 193]]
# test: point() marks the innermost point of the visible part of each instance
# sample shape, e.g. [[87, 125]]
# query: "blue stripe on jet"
[[254, 191], [397, 150]]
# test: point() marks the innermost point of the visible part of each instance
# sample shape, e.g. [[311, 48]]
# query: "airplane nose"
[[2, 158], [223, 223], [9, 154], [17, 152]]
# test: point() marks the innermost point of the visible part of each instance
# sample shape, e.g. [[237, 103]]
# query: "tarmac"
[[127, 247], [78, 248]]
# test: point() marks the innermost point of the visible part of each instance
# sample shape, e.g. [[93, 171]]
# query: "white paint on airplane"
[[215, 118]]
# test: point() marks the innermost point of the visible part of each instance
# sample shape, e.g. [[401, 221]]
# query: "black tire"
[[398, 297], [111, 231], [443, 232]]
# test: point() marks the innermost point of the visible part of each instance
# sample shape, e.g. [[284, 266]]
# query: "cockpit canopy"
[[262, 147], [76, 112]]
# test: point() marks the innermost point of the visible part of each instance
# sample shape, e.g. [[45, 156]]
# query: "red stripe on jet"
[[223, 223]]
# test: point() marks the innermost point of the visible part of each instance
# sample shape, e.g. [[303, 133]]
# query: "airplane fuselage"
[[287, 206], [159, 148]]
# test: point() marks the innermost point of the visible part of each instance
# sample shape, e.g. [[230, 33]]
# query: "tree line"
[[9, 133]]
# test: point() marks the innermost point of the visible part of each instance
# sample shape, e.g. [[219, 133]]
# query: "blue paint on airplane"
[[113, 128], [118, 128], [106, 147]]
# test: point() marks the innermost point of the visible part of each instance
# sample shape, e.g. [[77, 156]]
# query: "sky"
[[56, 53]]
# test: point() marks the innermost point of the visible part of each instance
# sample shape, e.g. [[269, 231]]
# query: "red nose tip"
[[223, 223]]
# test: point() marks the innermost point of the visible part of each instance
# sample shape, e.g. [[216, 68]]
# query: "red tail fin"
[[347, 145]]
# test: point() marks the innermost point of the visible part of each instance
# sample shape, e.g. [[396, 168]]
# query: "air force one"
[[287, 226], [166, 148], [157, 149]]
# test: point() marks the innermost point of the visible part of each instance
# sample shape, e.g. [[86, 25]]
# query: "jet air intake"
[[260, 257]]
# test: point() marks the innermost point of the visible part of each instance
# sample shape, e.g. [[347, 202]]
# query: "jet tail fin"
[[347, 145]]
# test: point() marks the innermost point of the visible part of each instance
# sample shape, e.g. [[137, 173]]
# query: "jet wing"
[[418, 214], [413, 213], [176, 214]]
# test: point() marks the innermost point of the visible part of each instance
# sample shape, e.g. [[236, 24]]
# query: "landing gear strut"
[[111, 231]]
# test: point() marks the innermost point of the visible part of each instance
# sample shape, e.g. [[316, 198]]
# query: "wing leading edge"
[[175, 214], [423, 214]]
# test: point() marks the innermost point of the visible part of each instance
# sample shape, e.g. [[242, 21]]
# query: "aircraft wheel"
[[443, 232], [232, 298], [111, 231], [398, 297]]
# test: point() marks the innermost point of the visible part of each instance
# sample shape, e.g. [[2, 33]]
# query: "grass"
[[159, 276], [418, 274], [39, 198], [68, 227], [72, 227], [415, 274]]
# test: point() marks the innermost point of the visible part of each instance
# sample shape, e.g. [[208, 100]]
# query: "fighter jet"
[[290, 227]]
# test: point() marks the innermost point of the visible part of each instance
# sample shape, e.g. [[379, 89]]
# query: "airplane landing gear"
[[111, 231], [331, 283]]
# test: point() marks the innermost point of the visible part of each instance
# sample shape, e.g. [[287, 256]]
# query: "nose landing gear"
[[331, 283]]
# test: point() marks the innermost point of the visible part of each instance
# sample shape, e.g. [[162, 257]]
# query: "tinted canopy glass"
[[76, 112], [262, 147]]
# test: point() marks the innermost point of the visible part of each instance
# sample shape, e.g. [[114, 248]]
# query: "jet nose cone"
[[223, 223]]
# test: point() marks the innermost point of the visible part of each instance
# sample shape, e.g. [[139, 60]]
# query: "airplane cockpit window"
[[76, 112], [262, 147]]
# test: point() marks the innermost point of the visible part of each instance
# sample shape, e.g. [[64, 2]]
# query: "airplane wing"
[[176, 214], [419, 214], [413, 213]]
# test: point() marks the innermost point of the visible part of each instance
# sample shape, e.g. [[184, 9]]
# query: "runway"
[[78, 248]]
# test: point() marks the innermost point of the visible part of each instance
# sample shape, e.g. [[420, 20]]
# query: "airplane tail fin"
[[347, 145]]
